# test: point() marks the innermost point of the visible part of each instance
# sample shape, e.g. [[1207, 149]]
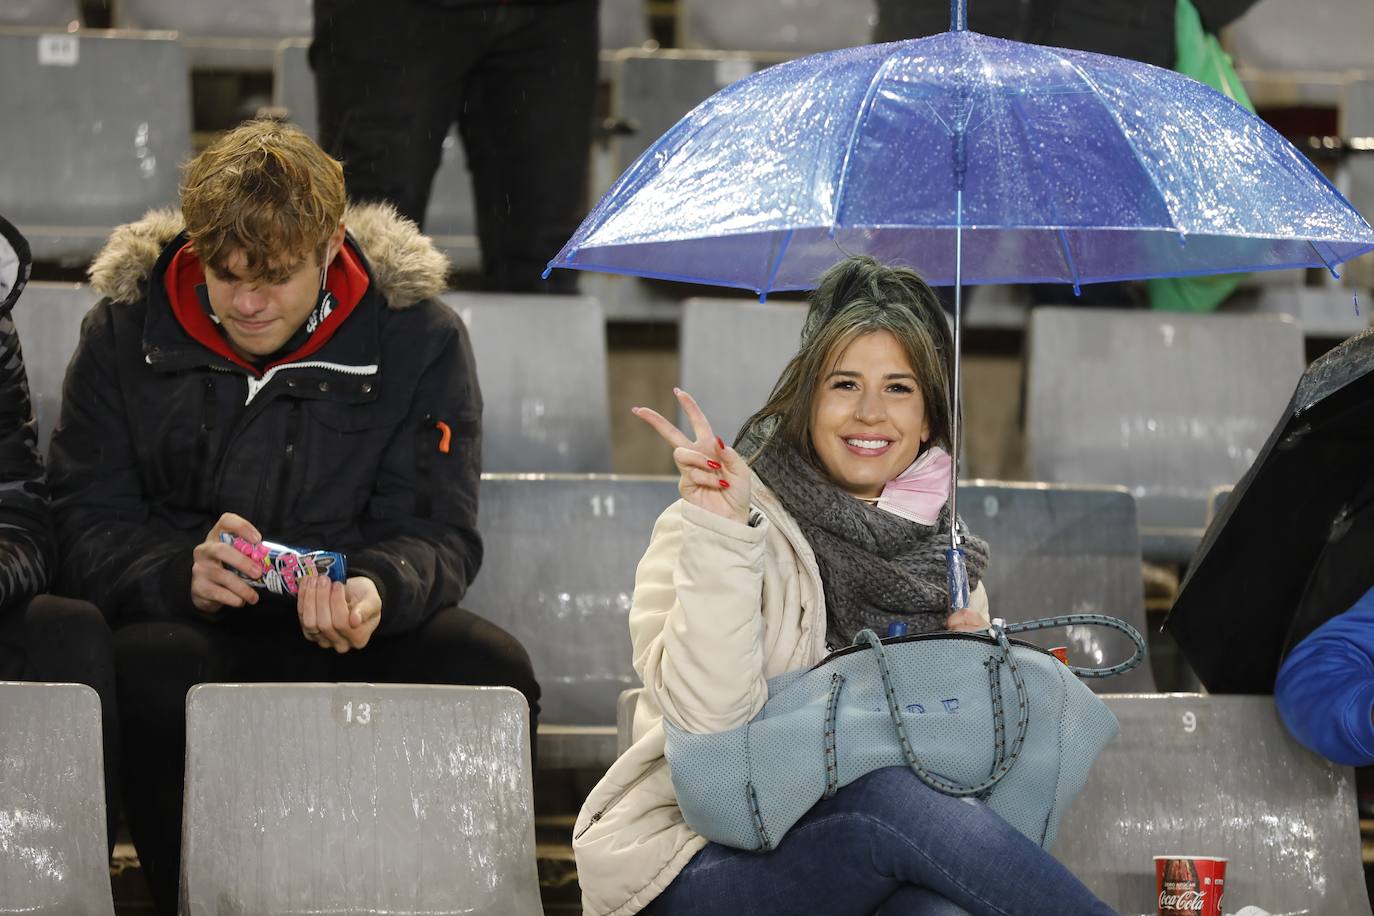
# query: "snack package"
[[283, 567]]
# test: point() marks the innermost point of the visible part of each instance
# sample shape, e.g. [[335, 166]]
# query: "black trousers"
[[159, 662], [64, 641], [519, 80]]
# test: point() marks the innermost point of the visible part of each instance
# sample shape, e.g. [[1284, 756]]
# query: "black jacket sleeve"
[[113, 554], [421, 523], [27, 545]]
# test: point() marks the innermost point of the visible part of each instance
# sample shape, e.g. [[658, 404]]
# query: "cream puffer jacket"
[[719, 608]]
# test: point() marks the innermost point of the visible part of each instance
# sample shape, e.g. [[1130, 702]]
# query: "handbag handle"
[[1089, 620], [1004, 762]]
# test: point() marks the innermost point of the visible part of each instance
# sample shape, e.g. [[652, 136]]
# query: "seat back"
[[541, 361], [450, 210], [97, 125], [1167, 405], [1216, 776], [48, 13], [53, 857], [1327, 36], [1060, 549], [222, 36], [357, 798], [558, 572], [791, 26], [48, 318], [731, 373]]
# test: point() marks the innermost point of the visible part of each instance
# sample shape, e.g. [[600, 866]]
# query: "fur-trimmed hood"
[[405, 264]]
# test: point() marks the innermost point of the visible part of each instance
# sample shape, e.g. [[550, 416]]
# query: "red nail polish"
[[713, 465], [725, 484], [720, 443]]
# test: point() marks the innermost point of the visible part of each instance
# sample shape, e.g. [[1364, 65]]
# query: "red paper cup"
[[1190, 885]]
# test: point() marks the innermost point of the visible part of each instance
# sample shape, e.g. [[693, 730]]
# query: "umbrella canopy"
[[1074, 168], [14, 265], [1291, 547]]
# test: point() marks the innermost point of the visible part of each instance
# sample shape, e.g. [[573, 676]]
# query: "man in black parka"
[[266, 365]]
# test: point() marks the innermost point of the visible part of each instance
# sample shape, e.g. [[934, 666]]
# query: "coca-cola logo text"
[[1187, 902]]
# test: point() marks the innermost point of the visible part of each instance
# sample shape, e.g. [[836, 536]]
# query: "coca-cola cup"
[[1190, 885]]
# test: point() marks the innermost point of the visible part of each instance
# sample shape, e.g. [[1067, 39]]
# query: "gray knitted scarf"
[[876, 567]]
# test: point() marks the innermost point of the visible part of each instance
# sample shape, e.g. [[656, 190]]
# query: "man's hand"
[[338, 616], [214, 583]]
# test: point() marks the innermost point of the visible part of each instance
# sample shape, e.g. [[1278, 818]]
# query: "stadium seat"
[[96, 126], [1061, 549], [48, 318], [450, 219], [653, 90], [558, 573], [357, 799], [731, 374], [1328, 36], [53, 857], [541, 361], [221, 36], [1216, 776], [788, 26], [1167, 405], [45, 13], [624, 24]]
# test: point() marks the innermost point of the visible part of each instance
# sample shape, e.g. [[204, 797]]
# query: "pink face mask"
[[921, 491]]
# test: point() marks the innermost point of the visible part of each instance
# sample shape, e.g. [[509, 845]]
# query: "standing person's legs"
[[158, 664], [526, 121], [856, 852], [64, 641], [386, 78], [453, 646]]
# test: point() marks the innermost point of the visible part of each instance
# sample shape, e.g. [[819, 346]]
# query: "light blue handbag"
[[971, 714]]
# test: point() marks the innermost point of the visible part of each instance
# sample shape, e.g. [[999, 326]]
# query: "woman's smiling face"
[[868, 418]]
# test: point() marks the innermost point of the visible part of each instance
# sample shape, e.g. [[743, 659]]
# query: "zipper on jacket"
[[287, 460], [256, 385], [621, 795]]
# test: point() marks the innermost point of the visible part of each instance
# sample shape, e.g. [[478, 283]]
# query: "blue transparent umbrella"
[[973, 160]]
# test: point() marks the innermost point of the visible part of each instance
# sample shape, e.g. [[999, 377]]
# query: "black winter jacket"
[[370, 445], [27, 546]]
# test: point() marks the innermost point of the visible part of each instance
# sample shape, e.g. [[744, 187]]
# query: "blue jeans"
[[885, 845]]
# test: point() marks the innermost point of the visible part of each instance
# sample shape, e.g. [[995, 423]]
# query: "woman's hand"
[[966, 620], [714, 476]]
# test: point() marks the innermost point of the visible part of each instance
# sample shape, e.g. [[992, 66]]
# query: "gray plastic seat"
[[450, 219], [653, 90], [624, 24], [357, 799], [791, 26], [1167, 405], [1216, 776], [1329, 36], [558, 573], [48, 318], [53, 857], [731, 374], [1059, 549], [541, 361], [46, 13], [221, 36], [96, 126]]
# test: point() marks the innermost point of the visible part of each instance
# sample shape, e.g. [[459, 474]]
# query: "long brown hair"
[[859, 296]]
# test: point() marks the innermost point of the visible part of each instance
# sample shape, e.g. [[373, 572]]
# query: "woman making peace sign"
[[830, 517]]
